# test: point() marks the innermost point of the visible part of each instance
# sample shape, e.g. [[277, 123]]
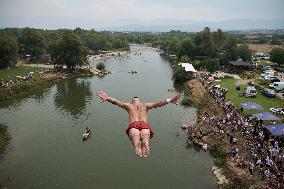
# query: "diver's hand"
[[175, 99], [102, 95]]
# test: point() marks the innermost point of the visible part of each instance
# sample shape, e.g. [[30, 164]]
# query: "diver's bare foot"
[[138, 150], [145, 149]]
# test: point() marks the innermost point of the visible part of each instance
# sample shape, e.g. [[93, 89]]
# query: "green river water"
[[47, 150]]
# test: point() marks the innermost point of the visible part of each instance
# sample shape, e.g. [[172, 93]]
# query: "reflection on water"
[[72, 96], [38, 94], [4, 139]]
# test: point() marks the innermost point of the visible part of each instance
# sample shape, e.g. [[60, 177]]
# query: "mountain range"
[[164, 25]]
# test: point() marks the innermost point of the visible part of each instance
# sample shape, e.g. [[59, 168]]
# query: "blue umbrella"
[[251, 105], [266, 116], [276, 130]]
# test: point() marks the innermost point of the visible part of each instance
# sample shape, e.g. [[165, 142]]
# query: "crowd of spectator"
[[259, 152]]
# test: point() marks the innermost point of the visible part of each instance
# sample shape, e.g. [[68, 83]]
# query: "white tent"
[[188, 67]]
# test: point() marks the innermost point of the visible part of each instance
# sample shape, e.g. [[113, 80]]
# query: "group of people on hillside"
[[265, 153]]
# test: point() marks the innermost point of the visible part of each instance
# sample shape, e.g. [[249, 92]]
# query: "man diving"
[[138, 131]]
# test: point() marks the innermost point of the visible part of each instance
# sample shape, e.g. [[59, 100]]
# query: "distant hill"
[[164, 25]]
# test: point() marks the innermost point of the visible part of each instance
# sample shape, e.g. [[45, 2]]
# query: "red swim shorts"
[[139, 125]]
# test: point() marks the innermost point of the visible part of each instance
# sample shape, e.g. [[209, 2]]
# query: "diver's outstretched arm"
[[114, 101], [163, 102]]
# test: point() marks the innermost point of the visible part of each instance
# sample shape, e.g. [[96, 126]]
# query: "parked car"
[[273, 79], [266, 77], [279, 69], [251, 83], [269, 92], [278, 86], [250, 92], [267, 73], [267, 68]]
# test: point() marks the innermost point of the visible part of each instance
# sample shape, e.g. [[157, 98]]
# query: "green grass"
[[10, 74], [260, 99]]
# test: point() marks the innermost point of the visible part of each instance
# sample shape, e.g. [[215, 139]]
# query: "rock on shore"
[[219, 174]]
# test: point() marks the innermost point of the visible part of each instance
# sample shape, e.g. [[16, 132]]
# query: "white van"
[[250, 91], [278, 86]]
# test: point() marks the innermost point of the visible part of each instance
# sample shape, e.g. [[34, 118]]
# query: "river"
[[47, 150]]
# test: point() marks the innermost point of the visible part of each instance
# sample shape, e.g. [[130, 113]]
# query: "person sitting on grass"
[[138, 131]]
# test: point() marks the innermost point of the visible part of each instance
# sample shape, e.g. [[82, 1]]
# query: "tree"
[[204, 43], [184, 59], [244, 52], [32, 42], [179, 75], [69, 51], [211, 64], [230, 51], [8, 51], [219, 38], [173, 46], [100, 66], [277, 55], [186, 48]]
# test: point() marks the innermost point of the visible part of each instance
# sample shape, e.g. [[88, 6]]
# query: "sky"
[[88, 14]]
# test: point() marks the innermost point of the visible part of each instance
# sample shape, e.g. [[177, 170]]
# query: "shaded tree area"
[[211, 64], [34, 43], [277, 56], [217, 45], [244, 52], [69, 51], [8, 51]]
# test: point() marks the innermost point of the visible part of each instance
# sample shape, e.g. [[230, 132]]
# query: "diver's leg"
[[145, 137], [134, 136]]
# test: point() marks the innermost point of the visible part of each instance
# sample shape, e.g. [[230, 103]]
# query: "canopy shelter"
[[276, 130], [251, 105], [265, 116], [188, 67]]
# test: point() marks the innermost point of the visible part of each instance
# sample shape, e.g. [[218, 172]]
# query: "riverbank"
[[21, 80], [25, 87], [217, 143], [104, 56]]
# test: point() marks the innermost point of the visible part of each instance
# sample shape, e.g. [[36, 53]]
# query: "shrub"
[[179, 75], [100, 66], [211, 65], [184, 58], [186, 101], [217, 152], [83, 71], [262, 82], [228, 77], [248, 75]]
